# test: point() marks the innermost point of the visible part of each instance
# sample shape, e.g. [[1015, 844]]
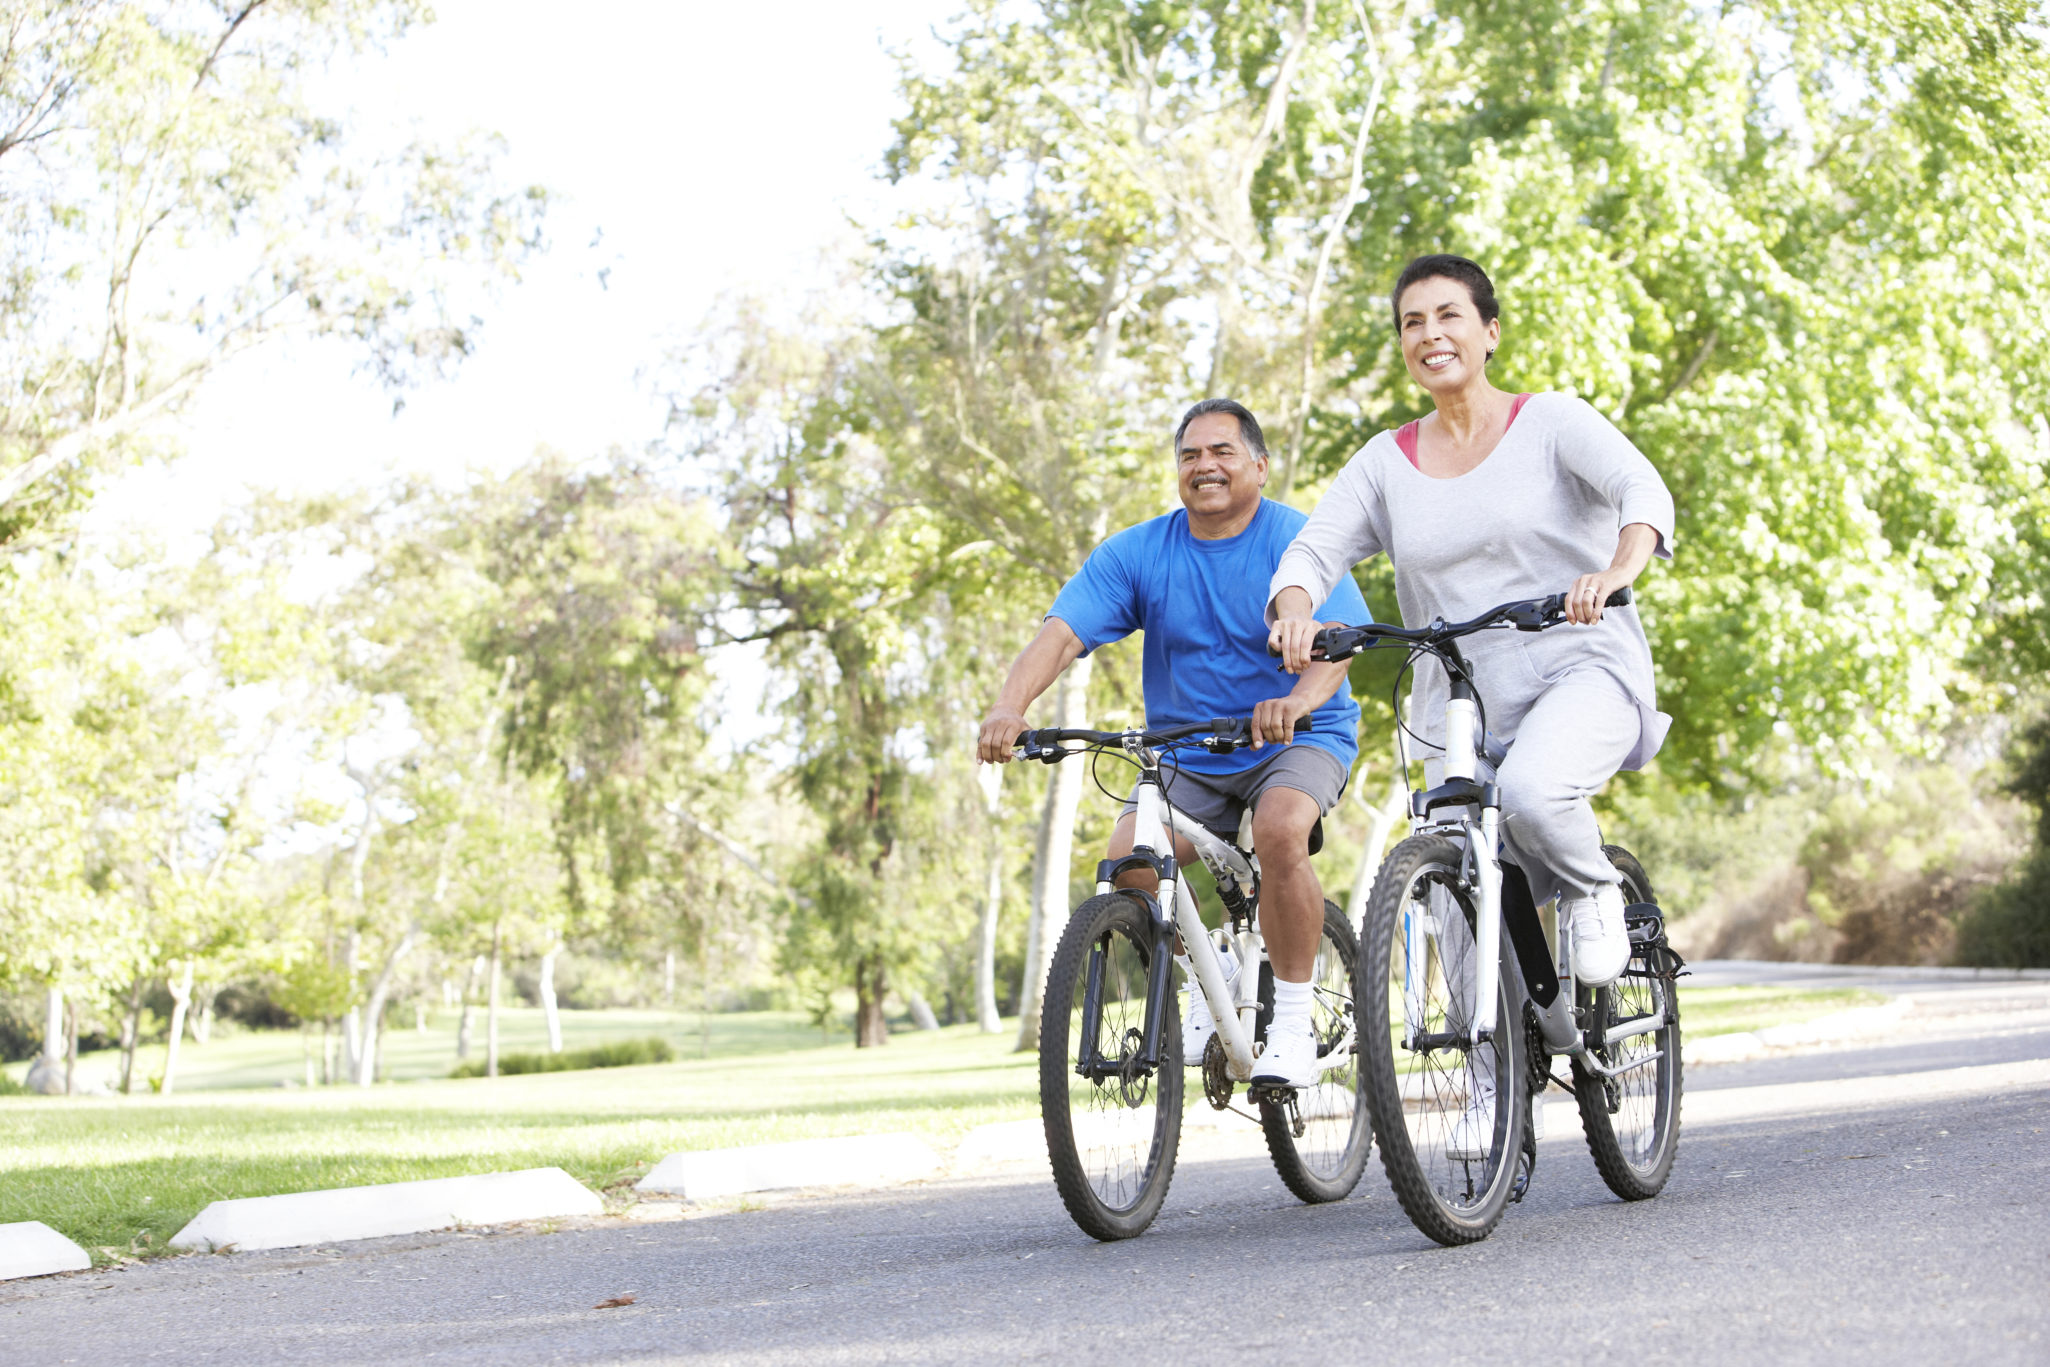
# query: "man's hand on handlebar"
[[1276, 719], [999, 735]]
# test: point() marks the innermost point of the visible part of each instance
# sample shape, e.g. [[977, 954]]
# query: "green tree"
[[172, 198]]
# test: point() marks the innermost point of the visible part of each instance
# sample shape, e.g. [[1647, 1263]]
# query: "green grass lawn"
[[122, 1174]]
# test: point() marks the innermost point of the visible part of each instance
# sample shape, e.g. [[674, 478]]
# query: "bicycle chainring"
[[1217, 1083]]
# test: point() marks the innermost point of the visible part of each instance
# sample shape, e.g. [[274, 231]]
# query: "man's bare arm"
[[1032, 673]]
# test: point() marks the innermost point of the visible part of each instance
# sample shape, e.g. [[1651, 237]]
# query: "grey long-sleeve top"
[[1545, 507]]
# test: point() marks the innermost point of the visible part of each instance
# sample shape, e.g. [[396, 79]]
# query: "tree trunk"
[[181, 1002], [373, 1014], [469, 1007], [419, 1016], [1054, 855], [53, 1027], [70, 1048], [870, 983], [352, 1021], [549, 1012], [306, 1049], [201, 1021], [991, 777], [1382, 820], [131, 1034], [921, 1012], [491, 1006]]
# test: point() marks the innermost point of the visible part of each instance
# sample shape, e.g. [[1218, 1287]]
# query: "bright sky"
[[697, 149]]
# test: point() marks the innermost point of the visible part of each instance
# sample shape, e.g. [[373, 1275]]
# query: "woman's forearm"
[[1634, 548]]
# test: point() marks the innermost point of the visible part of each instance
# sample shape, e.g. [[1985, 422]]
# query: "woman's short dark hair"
[[1443, 265], [1249, 426]]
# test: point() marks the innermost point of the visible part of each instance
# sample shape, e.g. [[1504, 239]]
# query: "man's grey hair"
[[1249, 426]]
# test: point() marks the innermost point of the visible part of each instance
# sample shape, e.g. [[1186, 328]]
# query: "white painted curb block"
[[868, 1160], [33, 1249], [319, 1217], [1007, 1141], [1859, 1022]]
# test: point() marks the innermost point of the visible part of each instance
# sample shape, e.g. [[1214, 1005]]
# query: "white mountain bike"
[[1110, 1039], [1452, 1049]]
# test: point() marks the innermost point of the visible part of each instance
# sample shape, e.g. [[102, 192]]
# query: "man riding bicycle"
[[1193, 582]]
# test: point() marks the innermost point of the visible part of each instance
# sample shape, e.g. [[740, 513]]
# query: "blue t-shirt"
[[1203, 607]]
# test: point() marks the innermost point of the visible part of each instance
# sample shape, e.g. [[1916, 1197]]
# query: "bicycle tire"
[[1453, 1189], [1632, 1121], [1113, 1168], [1324, 1163]]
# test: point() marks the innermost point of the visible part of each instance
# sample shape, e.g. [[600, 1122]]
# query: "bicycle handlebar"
[[1528, 614], [1220, 734]]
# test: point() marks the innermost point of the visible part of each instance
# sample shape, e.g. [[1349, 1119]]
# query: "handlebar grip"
[[1621, 598], [1302, 725]]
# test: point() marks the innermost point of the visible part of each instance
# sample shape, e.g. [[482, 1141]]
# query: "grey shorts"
[[1218, 801]]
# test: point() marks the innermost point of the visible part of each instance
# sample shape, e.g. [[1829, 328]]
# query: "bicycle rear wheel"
[[1448, 1117], [1112, 1124], [1632, 1118], [1321, 1141]]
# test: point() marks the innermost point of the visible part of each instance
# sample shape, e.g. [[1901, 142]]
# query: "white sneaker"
[[1473, 1134], [1289, 1060], [1601, 946]]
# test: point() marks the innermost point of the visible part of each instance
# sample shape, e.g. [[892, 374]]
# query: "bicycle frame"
[[1153, 843]]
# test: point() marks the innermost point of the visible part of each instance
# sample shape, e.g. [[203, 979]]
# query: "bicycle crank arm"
[[1636, 1025], [1595, 1065]]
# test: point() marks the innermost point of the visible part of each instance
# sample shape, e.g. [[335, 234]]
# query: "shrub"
[[2009, 925], [619, 1054], [9, 1087]]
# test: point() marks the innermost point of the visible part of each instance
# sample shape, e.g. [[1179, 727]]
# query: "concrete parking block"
[[33, 1249], [321, 1217], [868, 1160]]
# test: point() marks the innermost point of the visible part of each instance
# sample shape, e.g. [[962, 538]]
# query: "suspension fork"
[[1160, 999]]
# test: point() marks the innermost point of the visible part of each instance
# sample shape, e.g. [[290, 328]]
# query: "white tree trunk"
[[548, 1010], [201, 1022], [991, 777], [1381, 820], [491, 1009], [352, 1022], [1054, 855], [181, 1002], [373, 1013], [469, 1007], [921, 1012], [53, 1027]]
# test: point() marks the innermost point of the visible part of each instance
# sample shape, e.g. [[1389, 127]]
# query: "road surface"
[[1887, 1201]]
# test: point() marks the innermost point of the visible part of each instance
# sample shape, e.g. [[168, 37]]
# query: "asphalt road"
[[1887, 1203]]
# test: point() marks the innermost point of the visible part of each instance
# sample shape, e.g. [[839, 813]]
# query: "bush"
[[620, 1054], [2009, 925], [9, 1087]]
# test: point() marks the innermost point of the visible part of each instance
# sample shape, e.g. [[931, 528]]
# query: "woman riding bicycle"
[[1491, 497]]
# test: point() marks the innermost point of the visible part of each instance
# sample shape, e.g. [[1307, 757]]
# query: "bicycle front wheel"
[[1448, 1114], [1112, 1123], [1632, 1113], [1320, 1141]]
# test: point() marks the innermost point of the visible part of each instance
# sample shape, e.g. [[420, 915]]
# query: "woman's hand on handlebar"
[[1294, 631], [1590, 591], [999, 735]]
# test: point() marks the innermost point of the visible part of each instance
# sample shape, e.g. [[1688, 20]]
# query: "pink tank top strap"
[[1405, 435]]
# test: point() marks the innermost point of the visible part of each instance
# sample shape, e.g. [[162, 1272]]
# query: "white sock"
[[1291, 1007]]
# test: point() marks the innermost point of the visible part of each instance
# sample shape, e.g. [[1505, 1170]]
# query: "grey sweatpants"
[[1569, 741]]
